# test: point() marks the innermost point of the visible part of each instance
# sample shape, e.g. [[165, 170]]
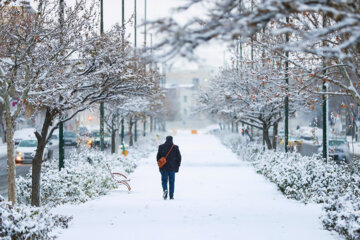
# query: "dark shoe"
[[171, 198], [165, 194]]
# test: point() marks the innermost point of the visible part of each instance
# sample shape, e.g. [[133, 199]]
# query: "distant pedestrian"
[[173, 160]]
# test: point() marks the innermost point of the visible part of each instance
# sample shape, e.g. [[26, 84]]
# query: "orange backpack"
[[162, 161]]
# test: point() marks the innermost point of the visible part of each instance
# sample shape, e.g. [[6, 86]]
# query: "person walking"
[[173, 160]]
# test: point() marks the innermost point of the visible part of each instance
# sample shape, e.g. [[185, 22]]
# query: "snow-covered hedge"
[[85, 175], [309, 179], [25, 222], [342, 211]]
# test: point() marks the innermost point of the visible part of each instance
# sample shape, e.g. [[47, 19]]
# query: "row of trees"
[[54, 60], [289, 53]]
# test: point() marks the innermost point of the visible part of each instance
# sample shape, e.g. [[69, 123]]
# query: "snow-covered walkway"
[[216, 197]]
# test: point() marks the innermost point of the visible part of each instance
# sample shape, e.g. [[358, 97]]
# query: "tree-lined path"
[[216, 197]]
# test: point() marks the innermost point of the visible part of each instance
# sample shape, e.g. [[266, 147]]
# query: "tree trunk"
[[164, 126], [135, 131], [275, 133], [130, 132], [113, 132], [151, 124], [38, 159], [11, 157], [266, 136], [144, 133]]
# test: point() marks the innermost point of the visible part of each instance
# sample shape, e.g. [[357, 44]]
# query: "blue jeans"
[[165, 177]]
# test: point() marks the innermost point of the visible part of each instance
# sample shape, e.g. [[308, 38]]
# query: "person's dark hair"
[[169, 138]]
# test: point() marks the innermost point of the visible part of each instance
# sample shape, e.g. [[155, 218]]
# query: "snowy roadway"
[[21, 169], [216, 197]]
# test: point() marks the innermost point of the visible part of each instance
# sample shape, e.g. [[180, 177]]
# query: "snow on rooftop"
[[170, 85], [186, 85]]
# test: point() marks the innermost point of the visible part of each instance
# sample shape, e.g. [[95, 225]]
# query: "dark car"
[[70, 139], [338, 151], [339, 154], [95, 139], [83, 131]]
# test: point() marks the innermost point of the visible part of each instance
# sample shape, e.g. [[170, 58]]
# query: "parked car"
[[339, 154], [83, 131], [54, 140], [338, 150], [95, 139], [25, 151], [338, 142], [281, 135], [71, 139]]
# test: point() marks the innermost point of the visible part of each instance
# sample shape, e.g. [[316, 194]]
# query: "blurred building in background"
[[182, 91]]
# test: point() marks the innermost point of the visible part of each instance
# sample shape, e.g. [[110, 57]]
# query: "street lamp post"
[[61, 126], [325, 119], [325, 107], [123, 25], [102, 120], [135, 45], [286, 142]]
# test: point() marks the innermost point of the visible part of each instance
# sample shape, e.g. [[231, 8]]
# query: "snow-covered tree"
[[326, 30], [136, 106], [21, 66], [253, 92], [60, 68]]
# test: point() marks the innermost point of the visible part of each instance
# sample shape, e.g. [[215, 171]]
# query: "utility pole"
[[135, 45], [151, 117], [252, 67], [122, 130], [102, 120], [61, 126], [325, 107], [145, 23], [325, 121], [135, 23], [135, 129], [123, 28], [286, 127]]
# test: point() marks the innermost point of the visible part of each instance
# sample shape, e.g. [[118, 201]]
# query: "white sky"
[[212, 54]]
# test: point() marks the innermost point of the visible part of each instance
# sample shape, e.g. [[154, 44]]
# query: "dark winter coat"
[[173, 161]]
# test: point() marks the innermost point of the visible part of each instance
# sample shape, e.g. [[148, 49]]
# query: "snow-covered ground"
[[216, 197]]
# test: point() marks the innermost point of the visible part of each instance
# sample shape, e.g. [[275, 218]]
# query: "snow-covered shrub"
[[85, 175], [308, 179], [25, 222], [311, 179], [239, 144], [342, 212]]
